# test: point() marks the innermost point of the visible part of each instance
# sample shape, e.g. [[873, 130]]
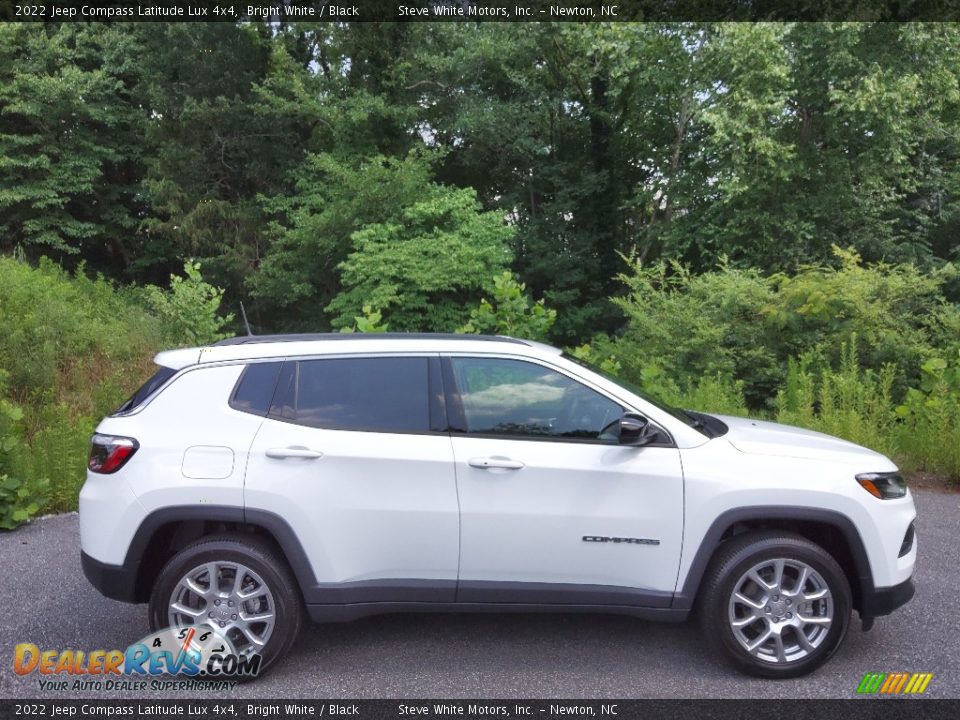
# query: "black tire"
[[257, 555], [731, 563]]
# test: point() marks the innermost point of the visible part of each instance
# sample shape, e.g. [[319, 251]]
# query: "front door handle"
[[293, 452], [485, 463]]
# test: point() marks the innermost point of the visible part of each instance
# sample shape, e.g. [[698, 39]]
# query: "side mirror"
[[635, 431]]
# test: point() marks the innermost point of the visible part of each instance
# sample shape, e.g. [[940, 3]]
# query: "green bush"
[[189, 309], [57, 450], [19, 499], [714, 394], [893, 314], [694, 326], [598, 352], [511, 312], [717, 393], [69, 338], [929, 433], [740, 324], [73, 349], [848, 402], [369, 321]]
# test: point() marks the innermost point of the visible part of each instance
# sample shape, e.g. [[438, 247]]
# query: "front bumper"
[[884, 600], [117, 582]]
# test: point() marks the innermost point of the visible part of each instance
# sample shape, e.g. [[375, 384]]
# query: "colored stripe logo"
[[899, 683]]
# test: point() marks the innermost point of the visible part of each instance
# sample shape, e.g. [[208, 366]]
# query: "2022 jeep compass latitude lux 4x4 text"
[[263, 479]]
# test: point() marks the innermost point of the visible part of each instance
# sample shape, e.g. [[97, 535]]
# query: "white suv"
[[266, 477]]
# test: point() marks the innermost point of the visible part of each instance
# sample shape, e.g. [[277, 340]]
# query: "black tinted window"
[[512, 397], [376, 394], [147, 389], [255, 388]]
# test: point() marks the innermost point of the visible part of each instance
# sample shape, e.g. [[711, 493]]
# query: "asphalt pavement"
[[47, 601]]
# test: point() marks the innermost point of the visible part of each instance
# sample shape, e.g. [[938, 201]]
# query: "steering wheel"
[[582, 414]]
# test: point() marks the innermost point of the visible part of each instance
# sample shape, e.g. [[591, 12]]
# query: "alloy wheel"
[[227, 596], [781, 610]]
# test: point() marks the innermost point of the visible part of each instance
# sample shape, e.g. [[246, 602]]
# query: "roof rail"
[[313, 337]]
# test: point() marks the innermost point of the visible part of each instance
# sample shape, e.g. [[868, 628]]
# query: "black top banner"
[[277, 11], [785, 709]]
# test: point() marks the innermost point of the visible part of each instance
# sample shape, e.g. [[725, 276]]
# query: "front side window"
[[522, 399], [706, 425], [386, 394]]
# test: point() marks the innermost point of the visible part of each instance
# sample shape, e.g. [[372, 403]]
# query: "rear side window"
[[254, 391], [386, 394], [146, 390]]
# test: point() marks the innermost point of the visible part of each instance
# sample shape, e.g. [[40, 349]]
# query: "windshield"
[[685, 417]]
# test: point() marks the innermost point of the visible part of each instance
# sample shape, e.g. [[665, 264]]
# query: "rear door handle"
[[485, 463], [293, 452]]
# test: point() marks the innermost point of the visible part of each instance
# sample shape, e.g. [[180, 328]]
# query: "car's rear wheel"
[[775, 603], [237, 585]]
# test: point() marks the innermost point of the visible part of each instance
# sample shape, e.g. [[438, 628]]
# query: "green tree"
[[311, 236], [229, 118], [424, 269], [71, 154], [816, 134], [257, 148], [524, 116]]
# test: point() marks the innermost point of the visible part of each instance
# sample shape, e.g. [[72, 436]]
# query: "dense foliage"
[[73, 348], [284, 157], [747, 326]]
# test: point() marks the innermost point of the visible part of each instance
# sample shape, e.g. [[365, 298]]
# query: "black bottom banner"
[[784, 709]]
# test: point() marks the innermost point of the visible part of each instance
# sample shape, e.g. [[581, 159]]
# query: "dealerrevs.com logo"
[[195, 654], [898, 683]]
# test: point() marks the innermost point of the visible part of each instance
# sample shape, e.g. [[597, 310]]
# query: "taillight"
[[109, 453]]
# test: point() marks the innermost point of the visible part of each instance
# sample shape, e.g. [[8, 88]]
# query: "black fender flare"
[[686, 596], [272, 523]]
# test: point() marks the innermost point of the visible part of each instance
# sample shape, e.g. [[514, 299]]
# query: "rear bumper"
[[884, 600], [118, 582]]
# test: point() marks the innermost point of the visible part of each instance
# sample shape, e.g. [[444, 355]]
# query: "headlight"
[[886, 485]]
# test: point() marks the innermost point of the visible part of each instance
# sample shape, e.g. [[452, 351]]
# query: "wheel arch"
[[831, 530], [165, 531]]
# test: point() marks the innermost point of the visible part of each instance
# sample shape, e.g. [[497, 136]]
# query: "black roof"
[[306, 337]]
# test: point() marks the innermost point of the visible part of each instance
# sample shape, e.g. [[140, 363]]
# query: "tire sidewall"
[[286, 598], [767, 549]]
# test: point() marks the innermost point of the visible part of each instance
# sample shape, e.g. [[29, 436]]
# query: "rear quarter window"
[[146, 390], [254, 390]]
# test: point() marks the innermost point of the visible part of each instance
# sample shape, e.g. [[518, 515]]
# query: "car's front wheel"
[[775, 603], [237, 585]]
